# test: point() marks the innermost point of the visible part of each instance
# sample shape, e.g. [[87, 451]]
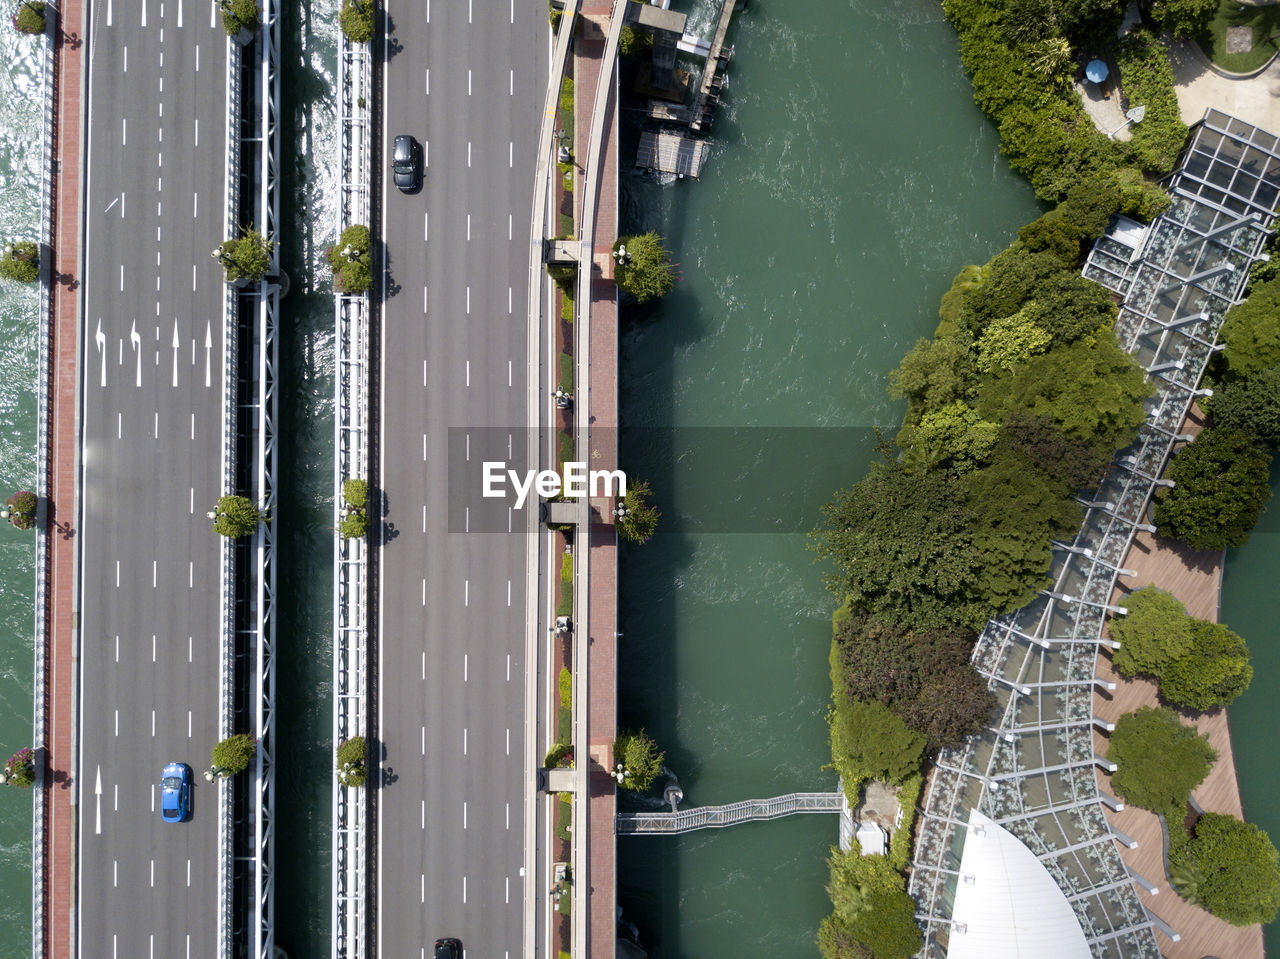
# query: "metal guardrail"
[[226, 613], [351, 461], [716, 817], [266, 355], [44, 366]]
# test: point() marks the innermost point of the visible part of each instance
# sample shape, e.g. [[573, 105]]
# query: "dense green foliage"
[[1222, 488], [1160, 761], [247, 257], [1183, 18], [641, 520], [240, 15], [1230, 868], [1156, 632], [234, 753], [1251, 406], [351, 766], [1251, 332], [873, 917], [236, 517], [22, 509], [924, 678], [1147, 79], [355, 492], [640, 758], [20, 768], [1213, 672], [20, 261], [356, 20], [643, 268], [870, 742], [29, 18], [350, 260]]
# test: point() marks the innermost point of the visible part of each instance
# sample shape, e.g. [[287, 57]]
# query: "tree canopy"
[[1251, 406], [953, 436], [1160, 761], [645, 271], [1156, 631], [874, 916], [869, 742], [234, 753], [1251, 331], [1183, 18], [1231, 868], [640, 758], [925, 678], [1214, 671], [1222, 486]]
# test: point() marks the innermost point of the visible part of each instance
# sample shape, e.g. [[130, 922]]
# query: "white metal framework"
[[350, 461], [1033, 773]]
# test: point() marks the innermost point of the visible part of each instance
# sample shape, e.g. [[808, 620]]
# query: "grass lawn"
[[564, 817], [566, 372], [1265, 22]]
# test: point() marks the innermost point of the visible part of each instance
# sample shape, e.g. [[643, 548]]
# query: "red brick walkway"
[[59, 847], [603, 408]]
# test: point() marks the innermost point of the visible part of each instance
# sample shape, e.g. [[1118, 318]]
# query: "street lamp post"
[[1133, 116]]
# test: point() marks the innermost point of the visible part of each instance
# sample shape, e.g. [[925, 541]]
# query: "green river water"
[[851, 177]]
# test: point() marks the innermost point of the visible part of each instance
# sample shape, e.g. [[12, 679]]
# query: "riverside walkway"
[[715, 817]]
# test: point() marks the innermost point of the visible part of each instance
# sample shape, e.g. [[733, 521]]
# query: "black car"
[[406, 163], [448, 949]]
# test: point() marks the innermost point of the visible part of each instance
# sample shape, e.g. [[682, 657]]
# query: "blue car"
[[175, 793]]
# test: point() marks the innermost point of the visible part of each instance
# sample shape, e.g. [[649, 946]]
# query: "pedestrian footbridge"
[[714, 817]]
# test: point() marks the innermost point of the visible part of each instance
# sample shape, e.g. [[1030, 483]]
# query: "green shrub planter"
[[350, 260], [356, 20], [236, 517], [234, 754], [22, 509], [20, 770], [352, 765], [20, 261], [29, 18], [246, 257], [240, 15]]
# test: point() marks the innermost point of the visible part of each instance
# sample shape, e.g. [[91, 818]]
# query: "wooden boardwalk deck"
[[1195, 577], [671, 153]]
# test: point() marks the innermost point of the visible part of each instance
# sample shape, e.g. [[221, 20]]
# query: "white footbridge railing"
[[715, 817]]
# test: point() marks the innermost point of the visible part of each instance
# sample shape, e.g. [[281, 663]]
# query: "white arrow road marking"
[[135, 339], [208, 347], [100, 339], [97, 802], [176, 344]]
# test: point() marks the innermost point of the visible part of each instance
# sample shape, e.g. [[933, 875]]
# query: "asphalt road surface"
[[467, 79], [152, 428]]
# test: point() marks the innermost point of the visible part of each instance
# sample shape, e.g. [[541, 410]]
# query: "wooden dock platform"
[[671, 153], [713, 79]]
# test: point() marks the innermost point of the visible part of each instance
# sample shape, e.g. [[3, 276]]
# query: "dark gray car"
[[406, 163]]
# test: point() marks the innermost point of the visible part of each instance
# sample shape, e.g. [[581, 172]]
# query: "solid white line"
[[508, 519], [108, 12], [468, 83], [155, 426], [426, 227], [119, 424], [466, 592], [468, 153], [508, 598], [464, 802], [511, 154], [465, 663], [180, 12], [468, 366], [468, 227], [193, 415]]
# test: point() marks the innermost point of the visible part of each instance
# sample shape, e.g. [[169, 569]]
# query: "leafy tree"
[[355, 525], [234, 753], [888, 927], [1140, 197], [240, 15], [1213, 672], [1069, 308], [641, 520], [933, 373], [1091, 391], [837, 941], [869, 742], [645, 271], [356, 20], [20, 768], [954, 436], [969, 277], [1160, 761], [1051, 57], [900, 543], [1156, 632], [352, 767], [20, 261], [1143, 61], [356, 493], [1070, 463], [1053, 233], [29, 18], [1090, 203], [246, 257], [641, 760], [1183, 18], [350, 260], [1221, 490], [1009, 341], [925, 678], [1251, 406], [634, 41], [856, 879], [1010, 279], [236, 517], [22, 509], [1251, 331], [1234, 869]]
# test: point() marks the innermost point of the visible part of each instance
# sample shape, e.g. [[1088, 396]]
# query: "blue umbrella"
[[1096, 71]]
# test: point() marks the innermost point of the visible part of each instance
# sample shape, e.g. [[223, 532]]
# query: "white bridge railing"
[[715, 817], [351, 461]]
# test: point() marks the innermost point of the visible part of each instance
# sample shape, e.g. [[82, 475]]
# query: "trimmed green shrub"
[[873, 917], [561, 754], [1251, 406], [900, 842], [1251, 331], [1230, 868], [566, 687], [1222, 487], [30, 18], [564, 274], [350, 259], [240, 15], [354, 525], [356, 20], [247, 257], [21, 261], [356, 493], [1156, 631], [236, 517], [640, 758], [234, 753], [566, 108], [1183, 18], [566, 372], [869, 742], [1213, 672], [352, 762], [1160, 761]]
